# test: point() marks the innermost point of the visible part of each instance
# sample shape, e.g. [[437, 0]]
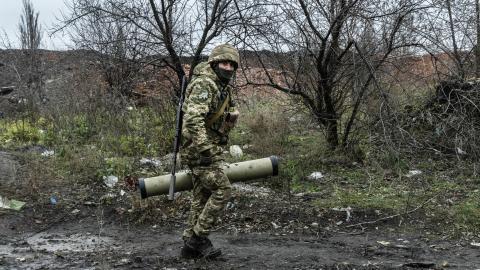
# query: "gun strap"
[[219, 113]]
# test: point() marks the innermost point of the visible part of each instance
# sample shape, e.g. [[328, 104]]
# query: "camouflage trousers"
[[211, 191]]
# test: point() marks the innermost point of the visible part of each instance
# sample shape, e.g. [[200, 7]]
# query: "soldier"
[[209, 115]]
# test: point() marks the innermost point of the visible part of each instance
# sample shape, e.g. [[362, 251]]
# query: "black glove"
[[205, 161], [205, 158]]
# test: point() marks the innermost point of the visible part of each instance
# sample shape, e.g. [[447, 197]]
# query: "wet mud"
[[90, 242], [261, 229]]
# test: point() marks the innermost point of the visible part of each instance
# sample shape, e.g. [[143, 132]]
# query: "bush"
[[266, 128], [447, 123]]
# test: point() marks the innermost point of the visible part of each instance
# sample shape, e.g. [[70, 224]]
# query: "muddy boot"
[[202, 246], [188, 252]]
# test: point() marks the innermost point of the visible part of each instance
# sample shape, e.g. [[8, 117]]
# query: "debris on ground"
[[475, 244], [247, 146], [236, 151], [413, 173], [130, 182], [11, 204], [347, 210], [6, 90], [53, 200], [315, 176], [153, 162], [275, 226], [460, 151], [110, 181], [254, 190], [47, 153]]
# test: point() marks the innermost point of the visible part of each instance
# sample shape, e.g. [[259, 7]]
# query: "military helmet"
[[224, 52]]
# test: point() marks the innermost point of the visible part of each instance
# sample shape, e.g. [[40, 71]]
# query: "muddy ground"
[[93, 227]]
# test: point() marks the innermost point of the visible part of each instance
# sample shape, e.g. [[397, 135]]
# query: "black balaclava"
[[222, 74]]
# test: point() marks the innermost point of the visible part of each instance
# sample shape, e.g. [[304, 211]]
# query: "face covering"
[[223, 75]]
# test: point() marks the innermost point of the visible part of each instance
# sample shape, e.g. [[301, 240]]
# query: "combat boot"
[[188, 252], [200, 247]]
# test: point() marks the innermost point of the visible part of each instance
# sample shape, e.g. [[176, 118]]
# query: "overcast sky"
[[10, 11]]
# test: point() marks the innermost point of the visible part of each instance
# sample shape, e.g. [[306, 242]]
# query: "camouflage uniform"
[[201, 146]]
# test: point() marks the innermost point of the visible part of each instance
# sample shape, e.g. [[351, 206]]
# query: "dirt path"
[[261, 229], [92, 243]]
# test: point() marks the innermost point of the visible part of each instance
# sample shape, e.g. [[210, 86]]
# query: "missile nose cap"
[[275, 161], [143, 190]]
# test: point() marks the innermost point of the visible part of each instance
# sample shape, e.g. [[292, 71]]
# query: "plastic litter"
[[53, 200], [236, 151], [460, 151], [11, 204], [150, 162], [110, 181], [413, 173], [47, 153], [315, 176]]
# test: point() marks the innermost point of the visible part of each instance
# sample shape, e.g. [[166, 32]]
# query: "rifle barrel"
[[178, 135]]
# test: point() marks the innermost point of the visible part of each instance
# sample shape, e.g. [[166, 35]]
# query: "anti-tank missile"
[[236, 172]]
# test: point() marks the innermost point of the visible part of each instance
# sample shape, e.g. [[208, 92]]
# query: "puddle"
[[43, 250], [6, 250], [74, 243]]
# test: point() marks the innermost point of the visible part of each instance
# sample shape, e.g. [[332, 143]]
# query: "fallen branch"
[[392, 216]]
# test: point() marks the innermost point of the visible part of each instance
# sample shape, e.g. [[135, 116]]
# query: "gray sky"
[[10, 11]]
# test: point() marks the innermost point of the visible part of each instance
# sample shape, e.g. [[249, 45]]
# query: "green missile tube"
[[236, 172]]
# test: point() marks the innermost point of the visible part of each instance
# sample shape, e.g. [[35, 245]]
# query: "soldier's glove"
[[205, 161], [230, 122], [205, 158], [223, 140], [232, 118]]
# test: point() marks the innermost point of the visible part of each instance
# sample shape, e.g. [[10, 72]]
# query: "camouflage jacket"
[[205, 95]]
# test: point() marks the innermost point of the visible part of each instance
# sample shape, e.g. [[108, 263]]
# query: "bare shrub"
[[447, 124]]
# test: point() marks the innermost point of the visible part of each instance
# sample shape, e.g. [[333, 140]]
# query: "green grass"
[[24, 132], [466, 213]]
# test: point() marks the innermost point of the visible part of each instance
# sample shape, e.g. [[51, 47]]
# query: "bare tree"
[[117, 47], [168, 29], [449, 27], [330, 54], [30, 39], [30, 30]]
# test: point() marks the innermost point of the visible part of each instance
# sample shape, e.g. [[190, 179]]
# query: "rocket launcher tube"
[[236, 172]]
